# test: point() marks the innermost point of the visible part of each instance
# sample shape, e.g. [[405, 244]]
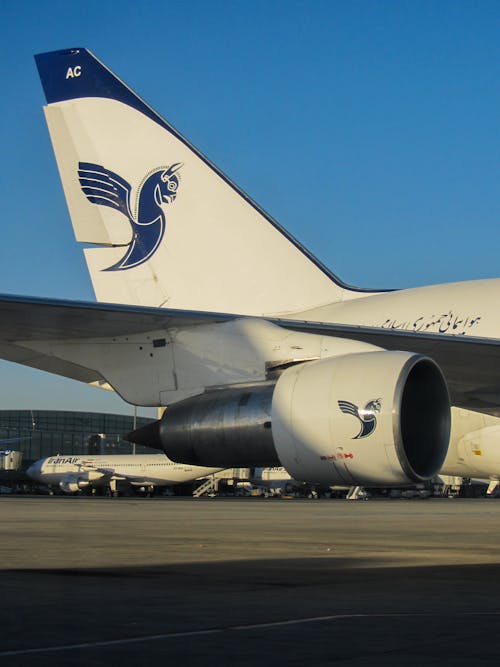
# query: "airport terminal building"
[[45, 433]]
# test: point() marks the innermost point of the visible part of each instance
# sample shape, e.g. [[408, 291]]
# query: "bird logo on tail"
[[159, 188]]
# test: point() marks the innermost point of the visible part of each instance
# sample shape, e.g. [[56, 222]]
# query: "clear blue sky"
[[369, 129]]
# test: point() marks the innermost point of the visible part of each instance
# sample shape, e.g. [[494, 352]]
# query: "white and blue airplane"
[[205, 304], [72, 473]]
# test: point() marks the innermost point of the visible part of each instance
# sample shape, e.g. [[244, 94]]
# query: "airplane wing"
[[32, 318], [29, 319], [109, 474], [39, 332], [106, 473], [103, 472]]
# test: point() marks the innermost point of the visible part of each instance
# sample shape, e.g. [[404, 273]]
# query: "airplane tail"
[[165, 226]]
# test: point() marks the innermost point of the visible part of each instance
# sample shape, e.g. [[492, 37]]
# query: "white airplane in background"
[[73, 473], [208, 306]]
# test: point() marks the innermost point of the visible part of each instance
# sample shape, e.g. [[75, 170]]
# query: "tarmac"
[[97, 581]]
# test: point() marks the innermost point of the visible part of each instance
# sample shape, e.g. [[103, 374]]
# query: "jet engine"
[[373, 418], [475, 454], [72, 484], [76, 482]]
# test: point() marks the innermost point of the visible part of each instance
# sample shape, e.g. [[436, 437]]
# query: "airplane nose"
[[33, 470]]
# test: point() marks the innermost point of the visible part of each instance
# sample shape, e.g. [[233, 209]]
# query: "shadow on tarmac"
[[319, 611]]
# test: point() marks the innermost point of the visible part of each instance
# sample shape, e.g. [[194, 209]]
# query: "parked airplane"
[[73, 473], [263, 356]]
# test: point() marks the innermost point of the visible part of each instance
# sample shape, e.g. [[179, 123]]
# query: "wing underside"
[[34, 331]]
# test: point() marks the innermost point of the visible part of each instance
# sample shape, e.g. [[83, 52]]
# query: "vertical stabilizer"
[[167, 227]]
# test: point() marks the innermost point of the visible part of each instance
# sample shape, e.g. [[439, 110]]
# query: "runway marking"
[[109, 642], [231, 628]]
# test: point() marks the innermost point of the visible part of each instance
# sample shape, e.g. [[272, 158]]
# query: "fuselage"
[[463, 308], [150, 469]]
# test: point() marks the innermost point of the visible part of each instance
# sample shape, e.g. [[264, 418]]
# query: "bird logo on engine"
[[366, 416]]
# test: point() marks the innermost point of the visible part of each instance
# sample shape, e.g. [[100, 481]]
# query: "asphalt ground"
[[95, 581]]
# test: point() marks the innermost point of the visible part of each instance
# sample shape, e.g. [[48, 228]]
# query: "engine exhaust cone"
[[148, 436]]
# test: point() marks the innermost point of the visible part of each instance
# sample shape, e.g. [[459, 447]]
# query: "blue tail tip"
[[73, 73]]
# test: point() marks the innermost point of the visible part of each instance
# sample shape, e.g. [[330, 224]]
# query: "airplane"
[[207, 305], [72, 473]]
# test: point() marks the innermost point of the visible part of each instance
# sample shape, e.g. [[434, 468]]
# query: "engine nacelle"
[[375, 418], [72, 484], [476, 454], [372, 418]]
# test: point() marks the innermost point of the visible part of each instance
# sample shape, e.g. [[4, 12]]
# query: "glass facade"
[[48, 432]]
